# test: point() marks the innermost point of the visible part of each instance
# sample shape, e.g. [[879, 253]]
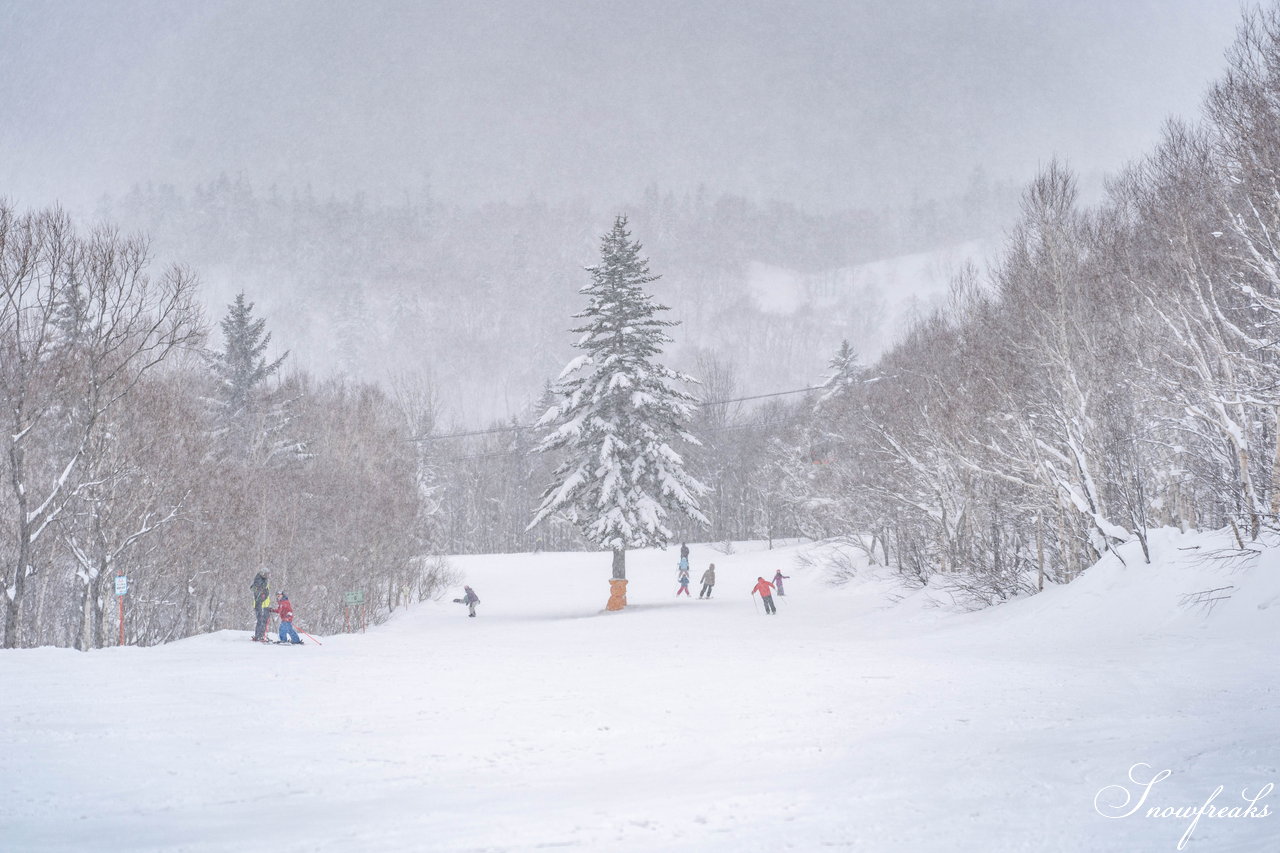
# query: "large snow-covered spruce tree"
[[617, 414]]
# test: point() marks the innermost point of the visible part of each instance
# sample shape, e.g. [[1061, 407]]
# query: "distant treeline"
[[480, 295]]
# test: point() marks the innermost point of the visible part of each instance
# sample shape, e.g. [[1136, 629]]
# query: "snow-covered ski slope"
[[842, 723]]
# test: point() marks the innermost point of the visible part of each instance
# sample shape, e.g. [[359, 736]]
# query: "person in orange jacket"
[[766, 595]]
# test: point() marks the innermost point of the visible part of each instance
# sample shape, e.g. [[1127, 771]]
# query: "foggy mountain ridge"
[[481, 299]]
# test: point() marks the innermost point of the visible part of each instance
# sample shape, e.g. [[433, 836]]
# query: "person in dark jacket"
[[708, 581], [261, 605], [778, 579], [285, 609], [766, 595]]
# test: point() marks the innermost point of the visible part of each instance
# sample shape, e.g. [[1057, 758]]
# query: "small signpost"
[[122, 589], [355, 599]]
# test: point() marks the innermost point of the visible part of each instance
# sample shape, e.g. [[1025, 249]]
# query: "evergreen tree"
[[617, 415], [241, 368], [846, 374]]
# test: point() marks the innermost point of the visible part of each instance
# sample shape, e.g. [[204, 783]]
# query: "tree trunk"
[[84, 634], [1275, 473], [14, 594], [1065, 546], [1039, 555], [618, 583], [99, 602]]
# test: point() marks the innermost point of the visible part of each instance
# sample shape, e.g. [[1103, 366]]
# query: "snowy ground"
[[840, 723]]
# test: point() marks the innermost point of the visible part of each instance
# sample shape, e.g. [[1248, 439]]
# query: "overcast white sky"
[[825, 104]]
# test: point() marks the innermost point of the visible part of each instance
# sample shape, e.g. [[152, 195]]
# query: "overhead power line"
[[522, 427], [731, 428]]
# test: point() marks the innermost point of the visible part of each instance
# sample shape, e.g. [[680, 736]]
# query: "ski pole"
[[313, 639], [753, 602]]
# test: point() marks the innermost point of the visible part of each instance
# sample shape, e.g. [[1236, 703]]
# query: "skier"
[[261, 605], [708, 581], [684, 577], [285, 609], [684, 552], [778, 579], [766, 595], [470, 599]]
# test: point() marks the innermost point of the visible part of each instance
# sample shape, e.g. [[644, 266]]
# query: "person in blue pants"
[[285, 609]]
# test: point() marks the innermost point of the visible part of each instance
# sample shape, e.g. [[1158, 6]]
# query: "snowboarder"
[[261, 604], [683, 575], [285, 609], [766, 595], [470, 599], [708, 581], [778, 579]]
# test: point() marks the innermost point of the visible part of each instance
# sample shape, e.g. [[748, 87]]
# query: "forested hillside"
[[478, 298], [1116, 371]]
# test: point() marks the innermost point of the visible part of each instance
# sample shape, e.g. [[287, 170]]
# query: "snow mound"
[[1196, 585]]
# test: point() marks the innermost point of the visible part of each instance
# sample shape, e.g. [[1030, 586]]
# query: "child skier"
[[708, 581], [285, 609], [683, 575], [261, 603], [778, 579], [766, 595]]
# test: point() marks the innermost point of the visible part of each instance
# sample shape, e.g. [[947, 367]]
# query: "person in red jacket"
[[766, 594], [285, 609]]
